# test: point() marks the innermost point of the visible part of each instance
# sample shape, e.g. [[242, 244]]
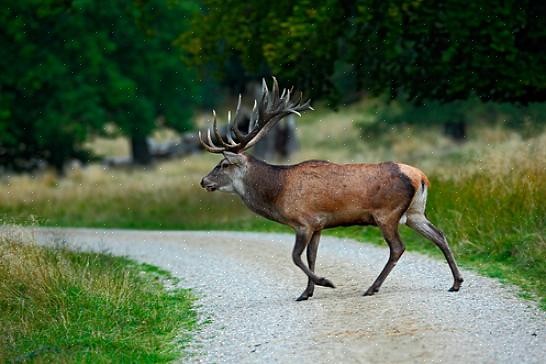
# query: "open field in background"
[[488, 194], [63, 306]]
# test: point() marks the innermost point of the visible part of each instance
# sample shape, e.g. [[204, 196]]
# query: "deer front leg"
[[312, 248], [303, 237]]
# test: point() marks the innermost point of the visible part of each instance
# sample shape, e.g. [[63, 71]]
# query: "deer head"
[[273, 106], [316, 195], [227, 175]]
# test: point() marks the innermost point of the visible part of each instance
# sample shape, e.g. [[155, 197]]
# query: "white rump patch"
[[416, 209], [419, 202]]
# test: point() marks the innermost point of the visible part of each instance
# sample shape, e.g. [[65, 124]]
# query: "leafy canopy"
[[442, 50], [68, 67]]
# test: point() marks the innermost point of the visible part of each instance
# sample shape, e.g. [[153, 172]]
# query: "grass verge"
[[61, 306], [488, 194]]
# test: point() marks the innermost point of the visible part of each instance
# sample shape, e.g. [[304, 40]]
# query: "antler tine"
[[254, 117], [305, 106], [292, 106], [275, 93], [298, 99], [263, 117], [264, 100], [209, 140], [265, 96], [228, 131], [301, 97], [287, 99], [265, 90], [297, 105], [234, 126], [217, 133], [213, 149]]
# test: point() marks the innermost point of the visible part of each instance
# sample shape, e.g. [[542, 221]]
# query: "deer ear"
[[234, 158]]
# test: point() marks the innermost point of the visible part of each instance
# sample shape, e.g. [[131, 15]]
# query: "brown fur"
[[316, 195], [415, 175], [319, 194], [264, 185]]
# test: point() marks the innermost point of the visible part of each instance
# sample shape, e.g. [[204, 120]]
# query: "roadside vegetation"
[[62, 306], [488, 193]]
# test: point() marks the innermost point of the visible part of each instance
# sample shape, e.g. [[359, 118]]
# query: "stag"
[[317, 195]]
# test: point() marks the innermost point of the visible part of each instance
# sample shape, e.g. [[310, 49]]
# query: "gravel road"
[[247, 286]]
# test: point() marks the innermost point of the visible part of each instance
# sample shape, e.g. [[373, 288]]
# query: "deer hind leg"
[[396, 248], [303, 237], [312, 248], [420, 223]]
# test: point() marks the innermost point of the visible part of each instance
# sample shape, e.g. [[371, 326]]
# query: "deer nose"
[[208, 185]]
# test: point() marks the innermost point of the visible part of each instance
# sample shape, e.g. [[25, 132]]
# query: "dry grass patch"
[[488, 193]]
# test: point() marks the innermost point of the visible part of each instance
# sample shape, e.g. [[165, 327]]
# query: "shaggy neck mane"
[[263, 185]]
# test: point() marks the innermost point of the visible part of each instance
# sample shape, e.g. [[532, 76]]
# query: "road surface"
[[247, 285]]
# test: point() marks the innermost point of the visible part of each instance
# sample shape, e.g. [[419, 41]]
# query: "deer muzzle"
[[208, 185]]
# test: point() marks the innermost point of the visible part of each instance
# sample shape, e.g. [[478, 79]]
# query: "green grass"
[[488, 194], [494, 225], [62, 306]]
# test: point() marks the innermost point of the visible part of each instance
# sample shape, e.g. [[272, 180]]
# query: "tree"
[[448, 50], [147, 56], [67, 68], [295, 40], [427, 50], [48, 101]]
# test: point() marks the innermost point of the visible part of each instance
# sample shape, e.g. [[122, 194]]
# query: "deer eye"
[[224, 165]]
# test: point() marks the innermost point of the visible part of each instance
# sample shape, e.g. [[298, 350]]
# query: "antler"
[[264, 116]]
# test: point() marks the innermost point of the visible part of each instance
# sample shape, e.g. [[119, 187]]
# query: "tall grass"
[[168, 197], [530, 118], [495, 210], [488, 194], [70, 307]]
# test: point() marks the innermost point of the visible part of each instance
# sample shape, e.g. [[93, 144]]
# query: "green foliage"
[[295, 40], [528, 120], [448, 50], [441, 50], [66, 307], [66, 68], [492, 209]]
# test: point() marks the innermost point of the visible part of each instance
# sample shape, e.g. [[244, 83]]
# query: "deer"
[[315, 195]]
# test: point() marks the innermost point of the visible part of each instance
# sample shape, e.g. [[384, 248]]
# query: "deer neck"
[[261, 186]]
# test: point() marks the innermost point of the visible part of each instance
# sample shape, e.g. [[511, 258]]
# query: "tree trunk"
[[280, 143], [58, 164], [455, 130], [287, 139], [140, 150]]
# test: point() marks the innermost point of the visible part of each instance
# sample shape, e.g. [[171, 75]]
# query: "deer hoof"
[[305, 296], [456, 285], [302, 298], [325, 283], [371, 291]]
